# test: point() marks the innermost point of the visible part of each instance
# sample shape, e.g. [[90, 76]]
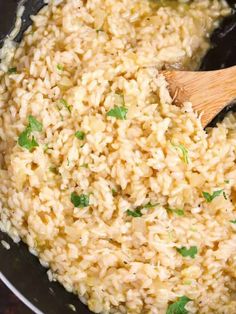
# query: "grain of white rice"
[[72, 307], [6, 245]]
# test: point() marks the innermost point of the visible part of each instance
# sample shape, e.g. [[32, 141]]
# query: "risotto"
[[125, 197]]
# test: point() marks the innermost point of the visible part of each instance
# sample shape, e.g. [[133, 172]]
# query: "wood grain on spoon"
[[209, 92]]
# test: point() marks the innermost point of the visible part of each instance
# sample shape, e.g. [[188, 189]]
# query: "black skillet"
[[20, 270]]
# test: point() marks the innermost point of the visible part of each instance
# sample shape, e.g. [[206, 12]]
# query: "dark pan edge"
[[19, 295], [33, 8]]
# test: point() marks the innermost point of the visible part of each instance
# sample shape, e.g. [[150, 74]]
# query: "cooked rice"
[[86, 53], [6, 245]]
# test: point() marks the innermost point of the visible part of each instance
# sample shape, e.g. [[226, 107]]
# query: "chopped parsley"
[[233, 221], [80, 135], [25, 139], [60, 67], [137, 212], [224, 194], [191, 252], [179, 212], [65, 104], [209, 197], [134, 213], [12, 71], [118, 112], [80, 201], [179, 306], [34, 125], [227, 181], [149, 205], [184, 152]]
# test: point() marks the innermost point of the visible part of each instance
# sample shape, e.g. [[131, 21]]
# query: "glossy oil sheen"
[[19, 269]]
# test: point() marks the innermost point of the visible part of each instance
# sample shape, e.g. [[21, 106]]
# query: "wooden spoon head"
[[209, 92]]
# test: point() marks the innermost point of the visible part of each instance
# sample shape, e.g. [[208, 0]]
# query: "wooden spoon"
[[209, 92]]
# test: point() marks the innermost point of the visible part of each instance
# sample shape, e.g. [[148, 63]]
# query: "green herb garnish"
[[227, 181], [80, 201], [137, 212], [224, 194], [80, 135], [179, 306], [34, 125], [191, 252], [118, 112], [209, 197], [60, 67], [25, 140], [66, 105], [149, 205], [179, 212], [12, 71], [233, 221], [184, 152], [134, 213]]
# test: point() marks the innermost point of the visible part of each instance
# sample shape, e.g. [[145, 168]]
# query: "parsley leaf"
[[233, 221], [191, 252], [184, 152], [209, 197], [179, 306], [12, 71], [179, 212], [34, 125], [65, 104], [60, 67], [227, 181], [80, 201], [149, 205], [80, 135], [118, 112], [25, 141], [137, 212], [134, 213]]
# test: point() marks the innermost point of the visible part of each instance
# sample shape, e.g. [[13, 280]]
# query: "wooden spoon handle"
[[209, 92]]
